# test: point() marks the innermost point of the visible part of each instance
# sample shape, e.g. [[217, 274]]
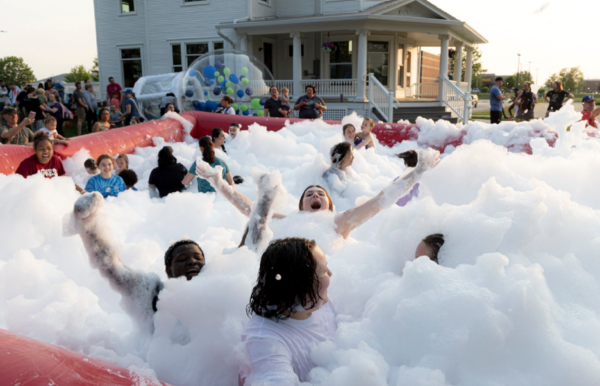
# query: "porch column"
[[244, 42], [297, 67], [361, 64], [458, 63], [443, 63], [469, 68]]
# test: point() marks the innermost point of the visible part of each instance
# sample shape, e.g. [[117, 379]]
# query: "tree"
[[14, 69], [476, 66], [510, 81], [94, 71], [571, 78], [78, 74]]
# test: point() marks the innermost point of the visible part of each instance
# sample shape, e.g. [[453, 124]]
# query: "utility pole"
[[518, 68]]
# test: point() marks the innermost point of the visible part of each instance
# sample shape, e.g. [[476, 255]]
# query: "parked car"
[[474, 99], [476, 90]]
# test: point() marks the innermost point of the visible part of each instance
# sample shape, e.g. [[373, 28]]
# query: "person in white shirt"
[[226, 102], [50, 130], [291, 314]]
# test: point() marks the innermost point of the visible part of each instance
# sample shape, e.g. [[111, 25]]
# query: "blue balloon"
[[196, 104], [208, 71], [249, 91], [234, 79], [192, 72], [262, 102], [212, 82], [242, 77], [217, 90], [224, 85], [240, 93], [218, 65], [189, 93], [255, 115], [247, 112], [206, 82], [205, 92]]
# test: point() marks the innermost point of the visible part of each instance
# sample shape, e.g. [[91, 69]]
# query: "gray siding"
[[261, 11], [340, 6], [294, 8]]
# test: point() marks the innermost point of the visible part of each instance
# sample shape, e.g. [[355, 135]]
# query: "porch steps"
[[411, 113]]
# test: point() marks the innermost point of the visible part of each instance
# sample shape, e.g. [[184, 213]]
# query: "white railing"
[[261, 87], [456, 99], [381, 99], [331, 88], [425, 90]]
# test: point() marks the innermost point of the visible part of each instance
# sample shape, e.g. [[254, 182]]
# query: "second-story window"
[[127, 6], [193, 1], [194, 50], [177, 63]]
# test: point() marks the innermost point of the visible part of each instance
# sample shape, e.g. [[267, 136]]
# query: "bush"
[[485, 89]]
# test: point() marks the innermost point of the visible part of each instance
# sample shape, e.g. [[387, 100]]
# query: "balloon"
[[240, 93], [262, 102], [233, 78], [229, 91], [243, 107], [245, 81], [242, 77], [255, 115], [208, 72], [255, 104], [205, 92], [260, 113], [196, 104], [217, 90], [224, 85], [226, 71], [212, 106], [189, 93], [244, 70], [212, 82], [218, 65], [246, 112], [207, 82], [228, 84], [192, 72], [221, 78], [249, 91], [217, 73], [235, 106]]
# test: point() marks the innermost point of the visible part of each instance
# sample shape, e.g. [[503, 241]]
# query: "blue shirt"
[[106, 186], [495, 104], [203, 185], [134, 110]]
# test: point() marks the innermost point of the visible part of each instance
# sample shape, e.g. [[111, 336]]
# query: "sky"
[[550, 34]]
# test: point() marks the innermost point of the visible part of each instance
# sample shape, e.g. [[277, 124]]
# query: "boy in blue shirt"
[[496, 99], [106, 183]]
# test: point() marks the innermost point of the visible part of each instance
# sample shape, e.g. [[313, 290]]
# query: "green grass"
[[72, 131]]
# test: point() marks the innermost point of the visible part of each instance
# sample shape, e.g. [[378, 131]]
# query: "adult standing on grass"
[[113, 87], [80, 105], [527, 100], [556, 96], [496, 99], [92, 102]]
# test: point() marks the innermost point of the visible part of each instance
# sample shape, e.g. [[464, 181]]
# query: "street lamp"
[[518, 68]]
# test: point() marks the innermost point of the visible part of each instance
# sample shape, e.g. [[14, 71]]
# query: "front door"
[[268, 56], [400, 72]]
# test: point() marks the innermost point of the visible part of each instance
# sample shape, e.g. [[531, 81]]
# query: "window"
[[377, 61], [177, 63], [193, 1], [127, 6], [194, 50], [340, 61], [132, 65], [291, 50]]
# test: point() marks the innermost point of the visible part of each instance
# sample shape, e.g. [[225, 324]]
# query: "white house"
[[375, 67]]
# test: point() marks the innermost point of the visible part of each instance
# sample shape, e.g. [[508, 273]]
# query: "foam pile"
[[514, 301]]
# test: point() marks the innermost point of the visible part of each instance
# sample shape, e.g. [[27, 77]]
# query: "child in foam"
[[208, 155], [590, 112], [341, 159], [430, 246], [129, 178], [365, 138], [43, 161], [315, 198], [106, 183], [234, 130], [349, 132], [291, 314], [122, 162], [50, 130], [167, 177], [218, 138]]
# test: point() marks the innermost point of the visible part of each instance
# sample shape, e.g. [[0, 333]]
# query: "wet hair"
[[301, 205], [103, 157], [215, 133], [129, 177], [410, 157], [287, 277], [49, 118], [40, 137], [169, 252], [339, 152], [228, 99], [371, 121], [347, 125], [208, 153], [166, 157], [560, 85], [435, 242], [124, 157], [314, 88], [90, 164]]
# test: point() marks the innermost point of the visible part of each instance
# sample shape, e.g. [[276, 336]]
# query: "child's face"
[[121, 164], [113, 108], [350, 133], [285, 93], [51, 125], [106, 166], [366, 126], [589, 106], [233, 131]]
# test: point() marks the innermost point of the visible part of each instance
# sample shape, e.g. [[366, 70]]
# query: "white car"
[[475, 90], [474, 99]]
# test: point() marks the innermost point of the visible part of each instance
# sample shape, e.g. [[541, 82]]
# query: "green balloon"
[[221, 79], [217, 73], [229, 91], [256, 104], [226, 71], [245, 81], [235, 106], [244, 70], [228, 84], [260, 113], [243, 107]]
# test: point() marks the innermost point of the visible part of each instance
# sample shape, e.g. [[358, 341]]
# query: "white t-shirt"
[[278, 353], [229, 111], [50, 134]]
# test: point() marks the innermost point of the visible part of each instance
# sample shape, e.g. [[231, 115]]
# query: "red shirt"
[[110, 88], [590, 121], [30, 166]]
